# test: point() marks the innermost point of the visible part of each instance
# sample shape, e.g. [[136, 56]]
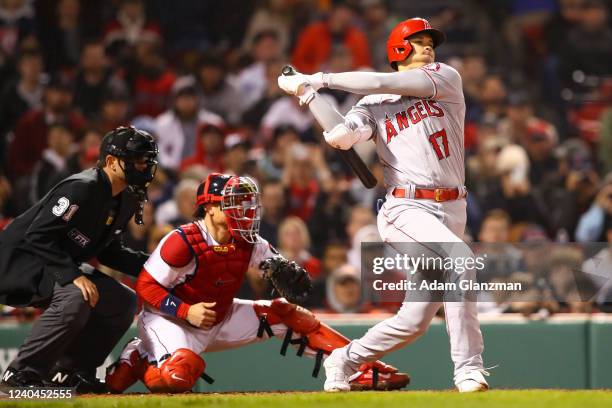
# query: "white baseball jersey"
[[419, 140]]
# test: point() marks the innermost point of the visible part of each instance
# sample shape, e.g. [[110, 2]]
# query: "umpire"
[[42, 263]]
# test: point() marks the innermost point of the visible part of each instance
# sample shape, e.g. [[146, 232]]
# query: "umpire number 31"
[[439, 142]]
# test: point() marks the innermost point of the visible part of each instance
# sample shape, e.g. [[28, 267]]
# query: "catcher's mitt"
[[288, 278]]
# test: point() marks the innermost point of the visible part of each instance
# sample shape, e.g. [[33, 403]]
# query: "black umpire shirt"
[[77, 220]]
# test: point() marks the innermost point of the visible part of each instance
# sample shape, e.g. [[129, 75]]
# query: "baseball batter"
[[416, 118], [188, 286]]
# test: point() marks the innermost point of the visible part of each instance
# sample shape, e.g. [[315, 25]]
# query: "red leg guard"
[[322, 338], [178, 373], [302, 321], [127, 370]]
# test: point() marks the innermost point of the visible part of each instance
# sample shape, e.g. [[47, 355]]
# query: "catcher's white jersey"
[[419, 141]]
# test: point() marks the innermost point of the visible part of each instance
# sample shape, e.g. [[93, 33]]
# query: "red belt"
[[438, 194]]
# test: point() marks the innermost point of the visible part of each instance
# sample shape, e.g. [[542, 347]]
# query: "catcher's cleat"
[[472, 381], [129, 368], [378, 376], [20, 378]]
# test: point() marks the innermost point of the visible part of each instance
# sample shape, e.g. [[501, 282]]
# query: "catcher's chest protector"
[[220, 270]]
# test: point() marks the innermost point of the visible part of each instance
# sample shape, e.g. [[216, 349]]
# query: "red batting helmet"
[[398, 47]]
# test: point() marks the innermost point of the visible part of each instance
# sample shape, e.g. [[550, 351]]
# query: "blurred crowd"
[[200, 75]]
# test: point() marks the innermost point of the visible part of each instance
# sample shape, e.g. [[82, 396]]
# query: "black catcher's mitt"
[[288, 278]]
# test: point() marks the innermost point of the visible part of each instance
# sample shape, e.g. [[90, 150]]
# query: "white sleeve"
[[409, 83], [168, 276], [261, 250], [433, 81], [448, 86]]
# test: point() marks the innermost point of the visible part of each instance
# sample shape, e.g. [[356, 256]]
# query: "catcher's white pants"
[[404, 220], [162, 335]]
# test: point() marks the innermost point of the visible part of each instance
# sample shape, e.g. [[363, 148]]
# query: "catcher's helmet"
[[131, 145], [239, 201], [398, 46]]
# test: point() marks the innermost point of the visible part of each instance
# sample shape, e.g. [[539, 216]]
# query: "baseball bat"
[[350, 156]]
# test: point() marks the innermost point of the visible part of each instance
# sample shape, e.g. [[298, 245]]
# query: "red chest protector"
[[220, 270]]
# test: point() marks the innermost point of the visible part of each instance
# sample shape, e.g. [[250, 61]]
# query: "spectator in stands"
[[209, 150], [287, 111], [251, 82], [168, 212], [539, 140], [492, 98], [315, 43], [334, 256], [272, 15], [502, 259], [16, 22], [300, 180], [514, 193], [184, 197], [331, 213], [252, 117], [378, 24], [343, 293], [236, 154], [473, 69], [591, 224], [273, 209], [31, 132], [273, 163], [61, 41], [598, 270], [151, 79], [216, 93], [294, 242], [94, 78], [131, 25], [177, 128], [114, 110], [52, 166], [589, 44], [22, 94], [86, 155]]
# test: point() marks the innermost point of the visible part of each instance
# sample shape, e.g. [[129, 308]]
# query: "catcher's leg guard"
[[178, 373], [322, 339], [128, 369]]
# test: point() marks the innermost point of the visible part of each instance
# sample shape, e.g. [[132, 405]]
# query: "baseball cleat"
[[368, 381], [337, 374], [472, 381], [128, 369]]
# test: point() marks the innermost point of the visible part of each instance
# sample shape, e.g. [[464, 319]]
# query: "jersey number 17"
[[439, 142]]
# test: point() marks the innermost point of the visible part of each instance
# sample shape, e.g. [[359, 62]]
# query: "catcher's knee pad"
[[128, 369], [178, 373], [313, 333]]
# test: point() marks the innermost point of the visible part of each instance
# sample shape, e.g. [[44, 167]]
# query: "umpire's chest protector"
[[220, 270]]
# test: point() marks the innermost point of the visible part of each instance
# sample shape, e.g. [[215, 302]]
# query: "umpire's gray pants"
[[72, 334]]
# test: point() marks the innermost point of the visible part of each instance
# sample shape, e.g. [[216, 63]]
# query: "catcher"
[[187, 287]]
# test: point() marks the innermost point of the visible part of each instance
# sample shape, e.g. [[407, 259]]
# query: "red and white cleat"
[[128, 369], [378, 376]]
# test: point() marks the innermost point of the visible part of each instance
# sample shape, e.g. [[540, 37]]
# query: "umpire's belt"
[[438, 194]]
